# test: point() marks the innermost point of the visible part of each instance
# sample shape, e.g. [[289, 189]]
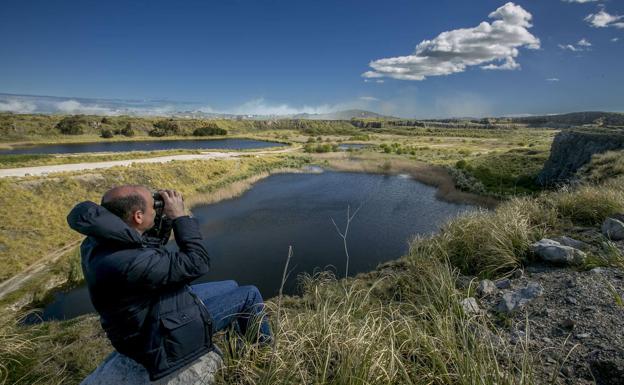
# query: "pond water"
[[352, 146], [248, 237], [143, 145]]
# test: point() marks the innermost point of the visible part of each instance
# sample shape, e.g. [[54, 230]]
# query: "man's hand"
[[174, 204]]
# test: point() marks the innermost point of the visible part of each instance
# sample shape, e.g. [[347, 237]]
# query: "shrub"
[[127, 130], [490, 243], [105, 120], [165, 128], [210, 130], [106, 133], [320, 148], [71, 125]]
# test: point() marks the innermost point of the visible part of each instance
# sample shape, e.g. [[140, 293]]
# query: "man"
[[141, 289]]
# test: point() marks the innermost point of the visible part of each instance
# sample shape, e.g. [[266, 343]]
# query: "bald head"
[[131, 203]]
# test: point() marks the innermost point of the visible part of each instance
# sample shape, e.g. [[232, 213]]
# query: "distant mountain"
[[343, 115]]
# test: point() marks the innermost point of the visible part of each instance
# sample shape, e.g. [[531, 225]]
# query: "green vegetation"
[[510, 173], [209, 130], [320, 147], [72, 125]]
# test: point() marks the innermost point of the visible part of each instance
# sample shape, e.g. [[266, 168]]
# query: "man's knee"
[[252, 292]]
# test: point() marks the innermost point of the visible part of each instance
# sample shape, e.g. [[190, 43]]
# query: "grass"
[[390, 329]]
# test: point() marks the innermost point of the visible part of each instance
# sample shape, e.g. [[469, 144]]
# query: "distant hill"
[[343, 115], [574, 119]]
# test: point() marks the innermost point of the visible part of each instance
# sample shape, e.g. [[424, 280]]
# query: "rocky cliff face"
[[572, 149]]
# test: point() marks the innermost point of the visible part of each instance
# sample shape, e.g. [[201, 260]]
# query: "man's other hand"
[[174, 204]]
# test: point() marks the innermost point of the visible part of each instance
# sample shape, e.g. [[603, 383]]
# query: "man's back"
[[140, 289]]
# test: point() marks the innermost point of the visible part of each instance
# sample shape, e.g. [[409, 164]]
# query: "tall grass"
[[359, 332]]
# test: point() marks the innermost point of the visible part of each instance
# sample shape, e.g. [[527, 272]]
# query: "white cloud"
[[603, 19], [552, 79], [493, 46], [17, 106], [579, 1], [615, 39], [369, 98], [582, 45], [261, 107]]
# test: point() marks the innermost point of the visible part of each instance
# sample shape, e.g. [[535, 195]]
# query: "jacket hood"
[[93, 220]]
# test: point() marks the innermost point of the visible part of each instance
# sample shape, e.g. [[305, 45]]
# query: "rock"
[[572, 149], [568, 324], [486, 288], [556, 253], [582, 336], [470, 306], [571, 300], [503, 283], [608, 372], [514, 300], [120, 370], [571, 242], [613, 229]]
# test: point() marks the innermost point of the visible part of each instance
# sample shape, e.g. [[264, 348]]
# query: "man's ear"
[[138, 217]]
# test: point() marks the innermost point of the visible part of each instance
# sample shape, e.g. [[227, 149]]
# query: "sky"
[[424, 59]]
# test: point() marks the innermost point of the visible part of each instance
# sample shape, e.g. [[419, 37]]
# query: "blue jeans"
[[228, 303]]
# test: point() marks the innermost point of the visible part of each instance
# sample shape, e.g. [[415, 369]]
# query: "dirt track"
[[44, 170]]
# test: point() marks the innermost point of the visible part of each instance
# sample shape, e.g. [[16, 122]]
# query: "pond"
[[248, 237], [142, 145]]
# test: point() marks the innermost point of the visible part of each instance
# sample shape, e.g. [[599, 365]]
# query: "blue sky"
[[274, 56]]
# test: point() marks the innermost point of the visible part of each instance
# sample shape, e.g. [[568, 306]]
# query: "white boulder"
[[556, 253], [120, 370]]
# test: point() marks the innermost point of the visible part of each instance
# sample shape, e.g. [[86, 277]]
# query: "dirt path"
[[44, 170], [19, 279]]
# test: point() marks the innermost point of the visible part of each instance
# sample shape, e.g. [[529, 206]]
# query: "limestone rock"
[[571, 242], [556, 253], [503, 283], [514, 300], [470, 305], [486, 287], [120, 370], [613, 229], [572, 149]]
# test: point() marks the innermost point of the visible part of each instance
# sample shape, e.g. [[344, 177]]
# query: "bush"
[[127, 130], [106, 133], [320, 148], [210, 130], [491, 243], [165, 128], [105, 120], [71, 125]]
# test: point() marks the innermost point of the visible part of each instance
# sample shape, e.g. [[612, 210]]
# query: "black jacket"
[[140, 289]]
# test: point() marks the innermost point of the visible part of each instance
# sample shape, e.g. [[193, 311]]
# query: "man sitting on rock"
[[141, 289]]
